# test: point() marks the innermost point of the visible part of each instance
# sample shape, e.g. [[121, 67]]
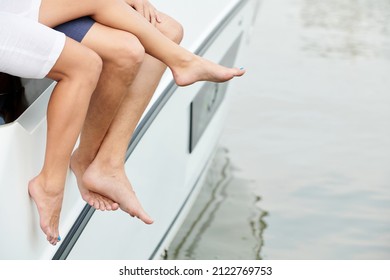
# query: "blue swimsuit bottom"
[[76, 29]]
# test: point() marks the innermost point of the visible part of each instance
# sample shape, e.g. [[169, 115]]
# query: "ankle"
[[47, 185], [82, 160], [108, 164]]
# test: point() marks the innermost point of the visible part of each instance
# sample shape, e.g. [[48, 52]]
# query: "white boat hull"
[[166, 159]]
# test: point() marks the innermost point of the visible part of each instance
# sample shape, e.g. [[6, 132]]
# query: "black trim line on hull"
[[81, 222]]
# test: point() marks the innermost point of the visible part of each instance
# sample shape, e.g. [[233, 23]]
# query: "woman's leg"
[[77, 71], [186, 67]]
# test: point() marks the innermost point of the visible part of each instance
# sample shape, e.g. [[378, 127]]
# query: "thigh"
[[75, 62], [109, 42], [27, 48], [55, 12], [105, 41]]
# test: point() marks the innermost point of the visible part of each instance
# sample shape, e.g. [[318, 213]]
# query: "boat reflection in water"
[[226, 221]]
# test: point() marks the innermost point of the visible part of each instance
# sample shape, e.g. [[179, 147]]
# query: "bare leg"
[[109, 162], [77, 71], [122, 55], [106, 174], [186, 67]]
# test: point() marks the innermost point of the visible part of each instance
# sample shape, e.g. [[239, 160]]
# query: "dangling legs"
[[122, 55], [77, 71], [186, 67], [106, 174]]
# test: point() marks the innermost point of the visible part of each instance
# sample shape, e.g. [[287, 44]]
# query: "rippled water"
[[304, 168], [226, 211]]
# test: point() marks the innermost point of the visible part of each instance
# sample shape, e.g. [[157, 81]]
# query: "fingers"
[[150, 13], [154, 17], [138, 6], [147, 13], [147, 10]]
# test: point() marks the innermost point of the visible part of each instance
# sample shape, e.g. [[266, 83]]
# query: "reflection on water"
[[225, 200], [309, 133], [346, 28]]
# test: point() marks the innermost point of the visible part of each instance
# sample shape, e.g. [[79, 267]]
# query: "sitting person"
[[77, 68]]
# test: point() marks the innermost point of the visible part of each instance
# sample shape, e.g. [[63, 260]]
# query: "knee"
[[127, 55], [83, 66], [89, 68], [77, 66], [171, 28]]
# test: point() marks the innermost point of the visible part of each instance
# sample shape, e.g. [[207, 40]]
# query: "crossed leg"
[[99, 161], [186, 67]]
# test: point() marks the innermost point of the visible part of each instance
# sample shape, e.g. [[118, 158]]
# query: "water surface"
[[304, 166]]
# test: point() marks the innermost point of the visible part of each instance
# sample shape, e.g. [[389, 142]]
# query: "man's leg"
[[106, 175], [122, 55]]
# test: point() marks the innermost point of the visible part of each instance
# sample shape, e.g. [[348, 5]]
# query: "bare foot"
[[115, 185], [96, 200], [200, 69], [49, 204]]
